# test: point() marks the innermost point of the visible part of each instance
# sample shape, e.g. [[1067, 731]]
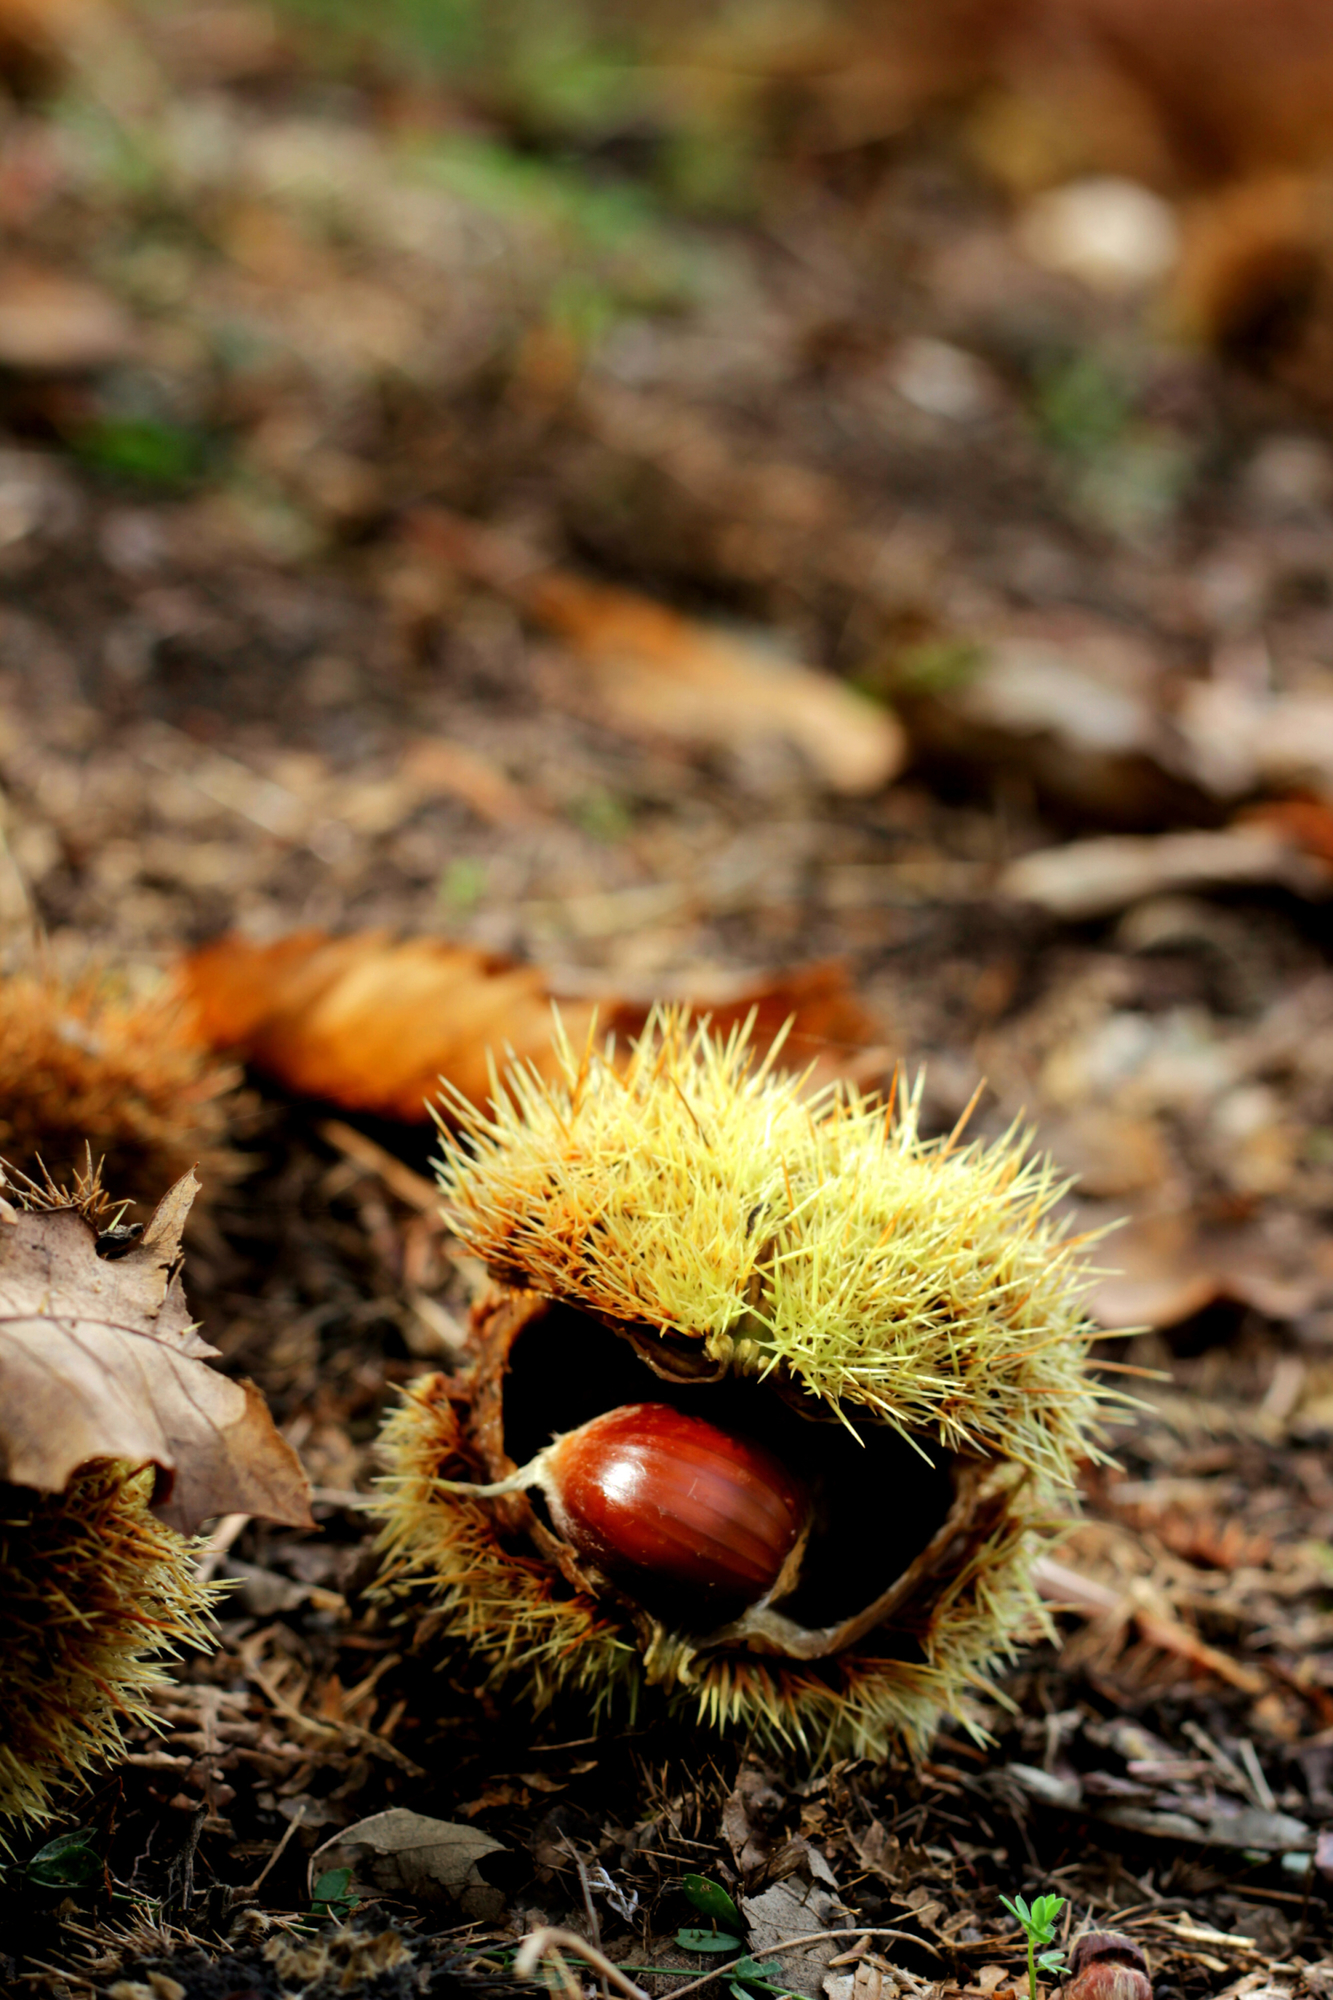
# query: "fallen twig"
[[550, 1941]]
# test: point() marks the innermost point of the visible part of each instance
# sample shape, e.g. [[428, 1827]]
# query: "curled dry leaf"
[[99, 1360], [416, 1856], [654, 672], [373, 1024]]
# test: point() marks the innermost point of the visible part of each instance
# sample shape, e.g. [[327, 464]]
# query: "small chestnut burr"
[[1107, 1965]]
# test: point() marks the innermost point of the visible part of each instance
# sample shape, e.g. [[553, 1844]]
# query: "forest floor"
[[305, 328]]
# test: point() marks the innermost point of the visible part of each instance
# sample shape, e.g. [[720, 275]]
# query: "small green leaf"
[[141, 449], [1051, 1961], [67, 1862], [1019, 1910], [330, 1897], [711, 1900], [707, 1941], [755, 1969]]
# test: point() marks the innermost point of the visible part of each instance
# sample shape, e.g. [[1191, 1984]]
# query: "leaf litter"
[[249, 693]]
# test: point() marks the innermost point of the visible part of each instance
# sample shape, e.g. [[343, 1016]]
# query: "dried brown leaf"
[[434, 767], [99, 1359], [1168, 1268], [369, 1022], [373, 1024], [41, 40], [419, 1857], [653, 671]]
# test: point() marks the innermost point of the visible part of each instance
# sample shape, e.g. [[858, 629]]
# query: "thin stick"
[[594, 1928], [280, 1849], [413, 1190], [573, 1991], [535, 1947], [221, 1539]]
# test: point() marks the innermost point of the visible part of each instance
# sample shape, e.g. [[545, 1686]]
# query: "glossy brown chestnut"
[[1107, 1965], [648, 1492]]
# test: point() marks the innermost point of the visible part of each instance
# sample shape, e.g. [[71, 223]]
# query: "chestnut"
[[658, 1499], [817, 1388]]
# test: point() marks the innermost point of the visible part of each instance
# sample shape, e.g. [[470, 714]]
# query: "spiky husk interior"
[[81, 1067], [696, 1192], [520, 1619], [95, 1595]]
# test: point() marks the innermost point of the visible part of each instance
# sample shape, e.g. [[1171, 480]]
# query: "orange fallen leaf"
[[655, 672], [365, 1021], [1249, 249], [99, 1359], [372, 1023]]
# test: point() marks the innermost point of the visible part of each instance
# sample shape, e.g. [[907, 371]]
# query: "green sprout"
[[1038, 1926], [331, 1895], [711, 1900]]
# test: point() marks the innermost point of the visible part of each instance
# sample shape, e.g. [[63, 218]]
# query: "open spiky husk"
[[696, 1203], [96, 1596], [516, 1614]]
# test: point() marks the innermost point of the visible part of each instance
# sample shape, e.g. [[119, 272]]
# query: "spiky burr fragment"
[[895, 1320], [116, 1440], [96, 1595], [83, 1067]]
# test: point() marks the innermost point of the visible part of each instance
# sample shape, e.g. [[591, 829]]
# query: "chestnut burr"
[[899, 1317]]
